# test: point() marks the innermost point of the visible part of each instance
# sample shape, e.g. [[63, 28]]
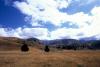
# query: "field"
[[39, 58]]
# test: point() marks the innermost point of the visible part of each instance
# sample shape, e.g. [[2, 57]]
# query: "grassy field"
[[39, 58]]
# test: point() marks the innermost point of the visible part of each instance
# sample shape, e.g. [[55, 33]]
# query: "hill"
[[73, 44], [13, 43]]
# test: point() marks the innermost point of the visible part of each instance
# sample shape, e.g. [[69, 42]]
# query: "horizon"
[[83, 39], [50, 19]]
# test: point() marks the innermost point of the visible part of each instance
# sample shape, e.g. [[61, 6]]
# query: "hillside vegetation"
[[12, 43], [72, 44]]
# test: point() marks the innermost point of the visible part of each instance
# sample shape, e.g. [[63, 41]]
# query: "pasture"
[[39, 58]]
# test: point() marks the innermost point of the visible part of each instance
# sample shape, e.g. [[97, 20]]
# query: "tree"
[[24, 47], [96, 44], [46, 49]]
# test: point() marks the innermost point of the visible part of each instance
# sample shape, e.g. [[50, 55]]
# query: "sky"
[[50, 19]]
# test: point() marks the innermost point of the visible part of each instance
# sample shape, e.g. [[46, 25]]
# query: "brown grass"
[[39, 58]]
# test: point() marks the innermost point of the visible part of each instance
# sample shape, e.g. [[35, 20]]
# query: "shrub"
[[46, 49], [24, 47]]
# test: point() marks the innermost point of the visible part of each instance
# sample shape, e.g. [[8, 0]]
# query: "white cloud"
[[89, 26], [62, 3], [3, 32], [48, 11], [80, 19], [64, 33], [24, 8], [40, 33], [92, 29]]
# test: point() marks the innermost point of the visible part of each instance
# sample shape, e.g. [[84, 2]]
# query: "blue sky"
[[50, 19], [10, 16]]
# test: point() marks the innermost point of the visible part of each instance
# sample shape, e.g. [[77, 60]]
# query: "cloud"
[[40, 33], [41, 12], [48, 11], [89, 26], [3, 32], [87, 30], [64, 33]]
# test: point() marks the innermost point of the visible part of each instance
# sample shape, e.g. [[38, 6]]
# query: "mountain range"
[[13, 43]]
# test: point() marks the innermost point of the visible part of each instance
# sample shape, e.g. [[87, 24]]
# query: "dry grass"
[[38, 58]]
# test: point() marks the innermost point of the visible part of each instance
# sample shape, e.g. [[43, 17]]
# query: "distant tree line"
[[80, 46]]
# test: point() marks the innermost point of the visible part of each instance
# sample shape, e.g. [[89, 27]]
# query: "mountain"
[[60, 42], [73, 44], [13, 43], [34, 42]]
